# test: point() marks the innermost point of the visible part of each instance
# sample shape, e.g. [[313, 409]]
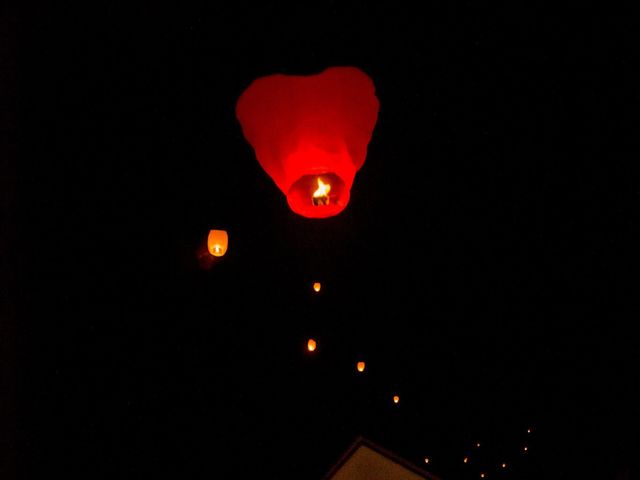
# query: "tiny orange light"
[[311, 345], [478, 444], [526, 449], [504, 465], [482, 475], [360, 366], [317, 286], [528, 430], [426, 459], [217, 242], [465, 460], [396, 399]]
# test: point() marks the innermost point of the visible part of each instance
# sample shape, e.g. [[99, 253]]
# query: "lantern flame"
[[321, 195]]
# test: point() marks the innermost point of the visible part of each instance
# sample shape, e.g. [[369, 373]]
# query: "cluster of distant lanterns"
[[312, 345], [502, 466], [310, 134]]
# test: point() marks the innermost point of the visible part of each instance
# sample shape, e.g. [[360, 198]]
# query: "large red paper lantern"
[[310, 134]]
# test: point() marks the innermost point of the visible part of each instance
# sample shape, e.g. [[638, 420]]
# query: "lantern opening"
[[318, 196]]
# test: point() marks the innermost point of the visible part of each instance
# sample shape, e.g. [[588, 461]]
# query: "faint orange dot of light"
[[482, 475], [478, 444], [465, 460], [526, 449], [217, 242], [311, 345], [426, 459], [396, 399], [504, 465], [317, 286], [360, 366], [528, 430]]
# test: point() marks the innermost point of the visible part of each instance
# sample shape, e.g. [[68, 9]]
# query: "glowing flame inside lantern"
[[321, 195]]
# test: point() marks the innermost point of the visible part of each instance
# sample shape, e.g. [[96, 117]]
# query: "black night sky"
[[484, 268]]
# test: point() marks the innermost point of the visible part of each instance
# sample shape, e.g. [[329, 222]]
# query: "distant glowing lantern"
[[311, 345], [426, 459], [465, 460], [360, 366], [504, 465], [526, 449], [478, 445], [482, 475], [217, 242], [310, 134], [396, 399], [317, 286], [528, 430]]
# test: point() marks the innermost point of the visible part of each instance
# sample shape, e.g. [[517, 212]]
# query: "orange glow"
[[311, 345], [426, 460], [504, 465], [217, 242], [321, 195], [528, 430], [360, 366], [317, 286], [478, 444], [396, 399], [526, 449], [466, 460], [482, 475]]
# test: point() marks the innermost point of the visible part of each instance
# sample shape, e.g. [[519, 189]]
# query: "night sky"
[[484, 268]]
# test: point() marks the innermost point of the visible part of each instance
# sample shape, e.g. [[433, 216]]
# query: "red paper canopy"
[[310, 134]]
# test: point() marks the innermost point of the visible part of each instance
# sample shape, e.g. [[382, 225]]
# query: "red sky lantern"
[[310, 134]]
